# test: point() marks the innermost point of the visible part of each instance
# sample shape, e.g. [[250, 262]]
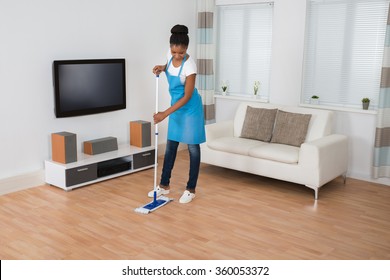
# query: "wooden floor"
[[234, 216]]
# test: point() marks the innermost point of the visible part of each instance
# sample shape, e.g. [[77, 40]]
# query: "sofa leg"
[[344, 177], [315, 191]]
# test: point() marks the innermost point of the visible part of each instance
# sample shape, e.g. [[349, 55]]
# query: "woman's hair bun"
[[179, 29], [179, 35]]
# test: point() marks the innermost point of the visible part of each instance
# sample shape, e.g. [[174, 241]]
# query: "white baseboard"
[[382, 181], [22, 182]]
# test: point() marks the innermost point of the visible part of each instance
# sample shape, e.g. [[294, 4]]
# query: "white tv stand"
[[89, 169]]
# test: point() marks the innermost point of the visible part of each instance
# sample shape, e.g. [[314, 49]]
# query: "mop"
[[162, 200]]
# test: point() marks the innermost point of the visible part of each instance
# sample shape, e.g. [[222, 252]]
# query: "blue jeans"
[[169, 161]]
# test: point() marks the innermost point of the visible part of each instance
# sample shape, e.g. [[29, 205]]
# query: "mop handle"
[[156, 143]]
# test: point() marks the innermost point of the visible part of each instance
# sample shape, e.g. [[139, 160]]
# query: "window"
[[344, 50], [244, 38]]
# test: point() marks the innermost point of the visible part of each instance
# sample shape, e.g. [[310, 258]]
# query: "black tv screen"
[[83, 87]]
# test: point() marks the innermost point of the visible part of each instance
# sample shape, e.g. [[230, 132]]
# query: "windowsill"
[[341, 109], [241, 97], [324, 107]]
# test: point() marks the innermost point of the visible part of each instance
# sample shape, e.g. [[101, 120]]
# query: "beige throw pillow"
[[290, 128], [258, 123]]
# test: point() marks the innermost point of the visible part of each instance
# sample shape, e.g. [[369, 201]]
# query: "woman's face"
[[178, 52]]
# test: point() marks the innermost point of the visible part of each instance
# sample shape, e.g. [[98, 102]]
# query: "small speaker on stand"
[[64, 147], [140, 133]]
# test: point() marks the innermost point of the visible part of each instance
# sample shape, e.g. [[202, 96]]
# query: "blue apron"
[[185, 125]]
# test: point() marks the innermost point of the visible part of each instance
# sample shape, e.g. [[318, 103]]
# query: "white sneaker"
[[187, 197], [159, 191]]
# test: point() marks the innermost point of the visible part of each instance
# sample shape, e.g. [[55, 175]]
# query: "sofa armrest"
[[218, 130], [327, 155]]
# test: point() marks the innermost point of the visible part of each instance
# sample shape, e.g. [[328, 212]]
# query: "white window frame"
[[244, 85], [344, 85]]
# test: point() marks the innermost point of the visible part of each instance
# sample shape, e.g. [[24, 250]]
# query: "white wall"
[[285, 88], [34, 33]]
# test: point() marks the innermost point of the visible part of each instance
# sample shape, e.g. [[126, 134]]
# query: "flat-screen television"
[[89, 86]]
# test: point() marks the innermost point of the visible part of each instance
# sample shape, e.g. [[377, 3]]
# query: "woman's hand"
[[159, 117], [158, 69]]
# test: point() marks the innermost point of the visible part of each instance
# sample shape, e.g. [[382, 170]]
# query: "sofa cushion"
[[258, 123], [239, 116], [290, 128], [276, 152], [234, 145]]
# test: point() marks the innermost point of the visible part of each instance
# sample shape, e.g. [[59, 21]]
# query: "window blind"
[[344, 50], [244, 38]]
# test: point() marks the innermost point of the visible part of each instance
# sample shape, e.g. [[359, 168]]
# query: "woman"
[[186, 120]]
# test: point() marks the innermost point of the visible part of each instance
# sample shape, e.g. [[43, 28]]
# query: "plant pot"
[[365, 105], [314, 101]]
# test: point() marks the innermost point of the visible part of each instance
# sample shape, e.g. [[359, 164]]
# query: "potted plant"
[[256, 87], [365, 103], [315, 99], [224, 87]]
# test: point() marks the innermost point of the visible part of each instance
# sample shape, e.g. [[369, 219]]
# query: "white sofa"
[[319, 159]]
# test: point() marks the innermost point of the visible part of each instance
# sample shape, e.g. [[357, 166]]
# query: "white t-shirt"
[[189, 68]]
